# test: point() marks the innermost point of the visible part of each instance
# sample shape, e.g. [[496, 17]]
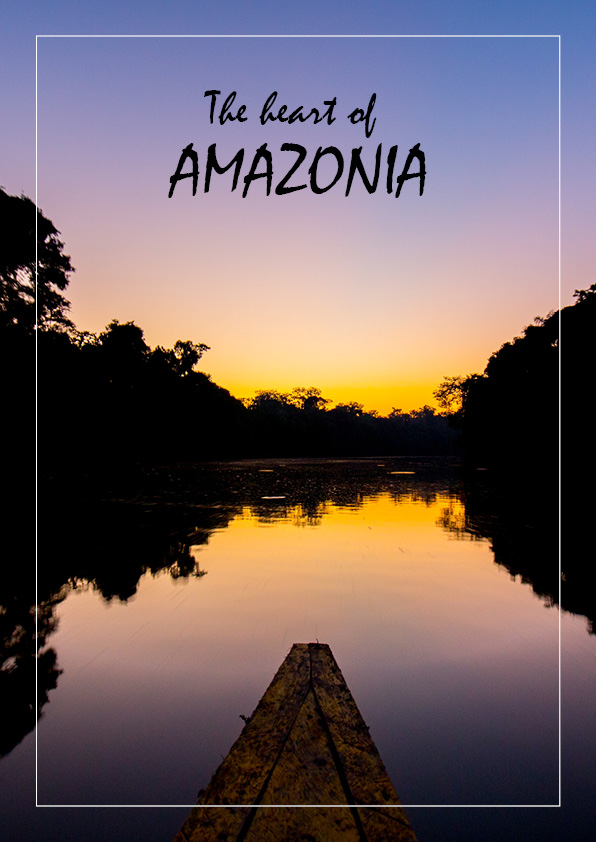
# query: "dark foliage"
[[19, 304], [300, 424], [509, 418], [509, 414], [110, 398]]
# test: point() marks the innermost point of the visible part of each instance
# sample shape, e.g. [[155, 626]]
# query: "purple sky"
[[371, 298]]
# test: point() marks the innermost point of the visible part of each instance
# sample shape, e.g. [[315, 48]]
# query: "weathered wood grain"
[[305, 744]]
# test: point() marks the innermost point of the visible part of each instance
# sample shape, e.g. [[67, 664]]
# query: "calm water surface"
[[452, 660]]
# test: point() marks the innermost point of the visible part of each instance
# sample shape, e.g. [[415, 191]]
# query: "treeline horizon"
[[132, 402], [109, 397]]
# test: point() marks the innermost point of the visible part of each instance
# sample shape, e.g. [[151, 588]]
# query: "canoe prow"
[[305, 744]]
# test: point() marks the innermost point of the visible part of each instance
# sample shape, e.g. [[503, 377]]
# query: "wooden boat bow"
[[304, 767]]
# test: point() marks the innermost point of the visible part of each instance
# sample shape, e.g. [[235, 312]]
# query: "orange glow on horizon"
[[380, 397]]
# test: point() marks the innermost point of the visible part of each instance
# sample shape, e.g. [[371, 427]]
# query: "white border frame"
[[307, 806]]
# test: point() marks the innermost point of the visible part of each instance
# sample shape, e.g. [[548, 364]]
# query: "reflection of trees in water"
[[304, 492], [22, 650], [520, 522], [112, 545], [181, 563], [309, 513], [151, 522], [102, 548], [428, 496], [111, 534], [453, 519]]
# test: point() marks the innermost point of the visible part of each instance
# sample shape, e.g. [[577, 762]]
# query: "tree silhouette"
[[187, 354], [451, 392], [19, 304], [509, 414], [309, 398]]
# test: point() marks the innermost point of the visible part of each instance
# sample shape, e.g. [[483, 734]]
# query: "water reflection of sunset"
[[404, 606], [386, 556]]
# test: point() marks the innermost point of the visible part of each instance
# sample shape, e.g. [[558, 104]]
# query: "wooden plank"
[[366, 775], [306, 824], [273, 824], [305, 744], [242, 775]]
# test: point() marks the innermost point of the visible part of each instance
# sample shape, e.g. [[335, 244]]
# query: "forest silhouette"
[[111, 409], [109, 398]]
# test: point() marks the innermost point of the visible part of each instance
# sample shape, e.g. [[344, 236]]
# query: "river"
[[169, 603]]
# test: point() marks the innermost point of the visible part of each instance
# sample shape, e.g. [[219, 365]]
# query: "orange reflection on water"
[[383, 575], [423, 626]]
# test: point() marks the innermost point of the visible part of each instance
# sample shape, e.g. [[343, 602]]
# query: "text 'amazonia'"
[[325, 171]]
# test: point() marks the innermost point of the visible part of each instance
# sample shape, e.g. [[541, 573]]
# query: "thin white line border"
[[305, 806]]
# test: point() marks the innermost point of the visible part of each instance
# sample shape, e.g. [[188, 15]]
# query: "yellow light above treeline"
[[382, 399]]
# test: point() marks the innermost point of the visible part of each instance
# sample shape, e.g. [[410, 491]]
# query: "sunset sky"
[[369, 297]]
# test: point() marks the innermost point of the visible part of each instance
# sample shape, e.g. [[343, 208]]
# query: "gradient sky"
[[371, 298]]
